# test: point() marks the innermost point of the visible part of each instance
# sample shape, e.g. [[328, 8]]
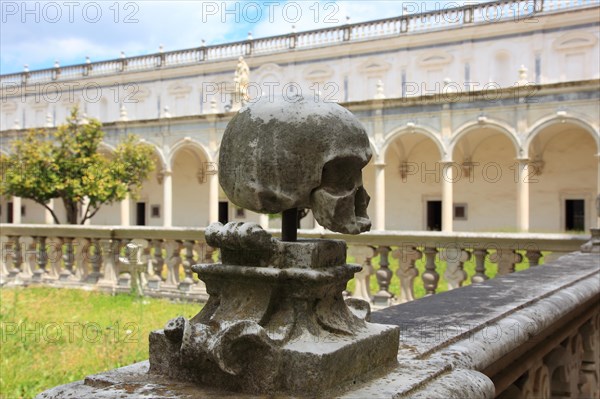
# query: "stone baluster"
[[14, 258], [54, 253], [455, 258], [590, 366], [42, 260], [29, 244], [81, 247], [506, 259], [362, 255], [207, 252], [384, 276], [95, 258], [533, 256], [109, 253], [407, 272], [430, 276], [173, 262], [68, 259], [479, 255], [188, 262], [123, 272], [158, 262]]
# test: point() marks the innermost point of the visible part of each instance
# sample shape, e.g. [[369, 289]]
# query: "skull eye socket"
[[342, 175]]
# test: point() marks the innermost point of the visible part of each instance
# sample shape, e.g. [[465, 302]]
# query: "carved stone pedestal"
[[281, 327]]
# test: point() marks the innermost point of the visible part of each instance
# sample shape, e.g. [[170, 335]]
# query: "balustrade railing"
[[412, 22], [397, 266]]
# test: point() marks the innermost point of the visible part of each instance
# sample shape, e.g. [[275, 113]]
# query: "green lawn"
[[54, 336]]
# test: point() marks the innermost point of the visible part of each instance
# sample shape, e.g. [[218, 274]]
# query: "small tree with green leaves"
[[66, 164]]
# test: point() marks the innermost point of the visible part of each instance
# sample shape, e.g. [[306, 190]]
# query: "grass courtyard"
[[54, 336]]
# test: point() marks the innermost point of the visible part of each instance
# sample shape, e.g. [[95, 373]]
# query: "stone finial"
[[123, 113], [523, 76], [122, 54], [166, 113], [202, 43], [293, 28], [160, 48], [379, 94], [249, 36], [16, 125], [87, 60], [56, 64], [214, 109], [264, 178], [251, 327], [49, 120], [26, 68], [448, 88], [84, 119]]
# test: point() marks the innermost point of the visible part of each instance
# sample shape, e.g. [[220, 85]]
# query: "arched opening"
[[149, 207], [485, 188], [413, 191], [190, 176], [563, 178]]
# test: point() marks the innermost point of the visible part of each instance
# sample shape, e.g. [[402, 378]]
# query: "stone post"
[[379, 196], [167, 199], [16, 210], [447, 197], [523, 195], [124, 208]]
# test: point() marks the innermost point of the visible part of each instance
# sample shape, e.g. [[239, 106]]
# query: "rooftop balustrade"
[[443, 18]]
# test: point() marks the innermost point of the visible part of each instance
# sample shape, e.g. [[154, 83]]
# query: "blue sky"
[[39, 32]]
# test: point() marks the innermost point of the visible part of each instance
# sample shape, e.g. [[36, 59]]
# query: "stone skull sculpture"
[[283, 153]]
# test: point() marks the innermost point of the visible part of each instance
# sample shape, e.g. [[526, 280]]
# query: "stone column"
[[213, 199], [125, 211], [379, 196], [48, 219], [16, 210], [447, 196], [167, 199], [523, 195], [264, 220]]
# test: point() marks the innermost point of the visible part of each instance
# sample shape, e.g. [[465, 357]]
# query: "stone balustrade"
[[159, 263], [535, 336], [438, 18]]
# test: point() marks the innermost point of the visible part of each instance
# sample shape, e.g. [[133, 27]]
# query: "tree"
[[66, 164]]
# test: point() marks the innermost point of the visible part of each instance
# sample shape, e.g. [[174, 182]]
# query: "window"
[[575, 215], [460, 211], [155, 211], [240, 213]]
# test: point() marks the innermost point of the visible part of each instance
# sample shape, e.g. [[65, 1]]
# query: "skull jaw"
[[341, 213]]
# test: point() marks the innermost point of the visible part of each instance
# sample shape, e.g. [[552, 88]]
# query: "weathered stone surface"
[[278, 154], [280, 326], [446, 339]]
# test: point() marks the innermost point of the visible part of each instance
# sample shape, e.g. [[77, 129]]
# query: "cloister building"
[[481, 118]]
